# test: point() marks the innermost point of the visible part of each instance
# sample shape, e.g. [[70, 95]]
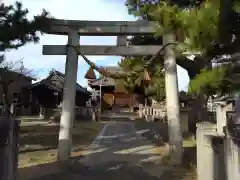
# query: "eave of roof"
[[102, 82], [60, 75], [227, 98]]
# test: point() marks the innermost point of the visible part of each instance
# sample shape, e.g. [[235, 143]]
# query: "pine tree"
[[199, 26], [16, 31], [155, 88]]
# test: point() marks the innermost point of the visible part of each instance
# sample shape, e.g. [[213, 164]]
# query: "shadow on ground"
[[41, 138], [85, 173], [109, 170], [137, 155]]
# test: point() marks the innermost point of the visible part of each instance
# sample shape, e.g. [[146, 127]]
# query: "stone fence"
[[19, 111], [80, 112], [152, 113], [218, 147]]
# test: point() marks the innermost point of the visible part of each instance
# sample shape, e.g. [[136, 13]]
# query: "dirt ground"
[[38, 143], [38, 151]]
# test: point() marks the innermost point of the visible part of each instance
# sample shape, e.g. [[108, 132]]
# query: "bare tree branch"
[[11, 70]]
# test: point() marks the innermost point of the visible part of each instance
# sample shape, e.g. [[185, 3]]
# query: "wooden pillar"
[[172, 101], [69, 92]]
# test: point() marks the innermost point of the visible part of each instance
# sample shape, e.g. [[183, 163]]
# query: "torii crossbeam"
[[75, 29]]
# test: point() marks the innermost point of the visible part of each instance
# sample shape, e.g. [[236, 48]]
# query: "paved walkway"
[[119, 152], [120, 149]]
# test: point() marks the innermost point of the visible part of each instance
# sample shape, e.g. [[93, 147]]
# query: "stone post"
[[237, 107], [232, 153], [148, 113], [232, 144], [221, 115], [94, 116], [41, 112], [205, 152], [98, 114], [69, 92], [172, 100], [13, 109], [140, 111]]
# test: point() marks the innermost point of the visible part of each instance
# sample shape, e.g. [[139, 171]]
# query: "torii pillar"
[[172, 100], [69, 93]]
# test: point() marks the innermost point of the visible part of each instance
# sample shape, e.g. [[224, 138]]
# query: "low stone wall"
[[81, 113], [151, 113]]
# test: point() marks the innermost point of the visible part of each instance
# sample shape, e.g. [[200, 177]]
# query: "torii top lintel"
[[100, 28]]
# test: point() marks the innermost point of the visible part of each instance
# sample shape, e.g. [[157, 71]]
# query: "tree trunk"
[[5, 127], [198, 112]]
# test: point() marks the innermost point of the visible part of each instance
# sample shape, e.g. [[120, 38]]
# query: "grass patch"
[[38, 143]]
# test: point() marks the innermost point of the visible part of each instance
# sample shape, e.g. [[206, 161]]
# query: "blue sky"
[[75, 10]]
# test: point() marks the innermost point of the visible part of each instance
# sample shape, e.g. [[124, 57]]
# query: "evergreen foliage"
[[16, 30], [155, 88], [200, 25]]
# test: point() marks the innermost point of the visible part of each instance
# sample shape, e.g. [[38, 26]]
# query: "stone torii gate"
[[122, 29]]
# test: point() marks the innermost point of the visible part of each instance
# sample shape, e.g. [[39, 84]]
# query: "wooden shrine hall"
[[48, 92], [114, 95]]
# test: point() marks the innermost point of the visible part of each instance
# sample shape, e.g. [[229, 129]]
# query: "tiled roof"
[[107, 81], [227, 98], [55, 80]]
